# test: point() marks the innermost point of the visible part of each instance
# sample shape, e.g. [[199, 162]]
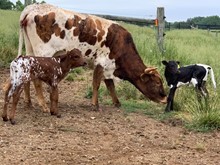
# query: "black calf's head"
[[171, 66]]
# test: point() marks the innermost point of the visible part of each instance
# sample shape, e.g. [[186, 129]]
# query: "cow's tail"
[[21, 40], [212, 77]]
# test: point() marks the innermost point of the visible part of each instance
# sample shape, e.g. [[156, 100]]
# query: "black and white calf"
[[177, 76]]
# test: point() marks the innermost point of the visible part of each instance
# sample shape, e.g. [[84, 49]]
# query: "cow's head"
[[171, 66], [151, 85]]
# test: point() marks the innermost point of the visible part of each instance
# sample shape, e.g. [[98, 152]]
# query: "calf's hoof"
[[56, 114], [12, 121], [4, 118], [46, 110]]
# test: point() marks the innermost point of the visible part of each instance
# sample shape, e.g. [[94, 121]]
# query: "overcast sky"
[[175, 10]]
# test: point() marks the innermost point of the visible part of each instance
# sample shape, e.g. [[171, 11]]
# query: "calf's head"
[[171, 66], [75, 58], [151, 85]]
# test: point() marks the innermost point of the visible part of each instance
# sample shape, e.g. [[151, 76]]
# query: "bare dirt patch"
[[83, 136]]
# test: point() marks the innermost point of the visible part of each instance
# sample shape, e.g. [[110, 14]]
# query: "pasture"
[[138, 132]]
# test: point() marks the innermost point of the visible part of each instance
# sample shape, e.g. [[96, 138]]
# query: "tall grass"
[[186, 46], [9, 24]]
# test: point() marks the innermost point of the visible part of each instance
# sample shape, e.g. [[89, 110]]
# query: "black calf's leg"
[[204, 89], [170, 99]]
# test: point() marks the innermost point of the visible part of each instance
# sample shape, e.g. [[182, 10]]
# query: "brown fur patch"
[[102, 43], [88, 52], [56, 30], [62, 34], [45, 27], [88, 31], [69, 24]]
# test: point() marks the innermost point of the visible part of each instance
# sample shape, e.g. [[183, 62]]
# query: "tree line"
[[8, 5], [197, 22]]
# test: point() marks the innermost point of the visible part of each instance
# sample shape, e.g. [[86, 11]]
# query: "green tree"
[[6, 4], [19, 6]]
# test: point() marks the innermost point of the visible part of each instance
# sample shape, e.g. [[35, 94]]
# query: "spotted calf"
[[196, 75], [51, 70]]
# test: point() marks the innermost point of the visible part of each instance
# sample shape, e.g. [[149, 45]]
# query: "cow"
[[176, 76], [51, 70], [49, 30]]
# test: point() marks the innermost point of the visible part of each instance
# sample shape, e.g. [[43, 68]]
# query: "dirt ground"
[[83, 136]]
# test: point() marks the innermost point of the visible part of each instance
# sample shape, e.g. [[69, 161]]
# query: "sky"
[[175, 10]]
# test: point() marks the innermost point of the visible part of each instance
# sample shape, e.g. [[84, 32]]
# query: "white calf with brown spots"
[[51, 70]]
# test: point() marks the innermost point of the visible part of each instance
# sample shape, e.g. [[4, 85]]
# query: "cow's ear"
[[145, 77], [178, 62], [164, 62]]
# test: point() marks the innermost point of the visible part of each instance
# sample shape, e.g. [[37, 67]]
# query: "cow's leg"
[[6, 101], [40, 96], [54, 101], [16, 97], [27, 94], [111, 87], [170, 99], [97, 77]]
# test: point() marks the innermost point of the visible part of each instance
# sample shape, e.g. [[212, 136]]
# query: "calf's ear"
[[164, 62]]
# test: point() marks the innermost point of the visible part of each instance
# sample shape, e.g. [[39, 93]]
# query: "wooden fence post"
[[160, 28]]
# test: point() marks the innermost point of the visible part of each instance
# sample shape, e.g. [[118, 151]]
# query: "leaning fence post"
[[160, 28]]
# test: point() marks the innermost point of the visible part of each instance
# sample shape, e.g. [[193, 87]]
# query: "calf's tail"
[[212, 77]]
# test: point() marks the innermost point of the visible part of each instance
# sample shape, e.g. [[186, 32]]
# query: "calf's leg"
[[204, 89], [111, 87], [170, 99], [16, 97], [8, 88], [97, 77], [40, 96], [27, 94], [54, 101]]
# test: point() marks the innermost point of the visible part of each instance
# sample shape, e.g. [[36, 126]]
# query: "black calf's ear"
[[164, 62]]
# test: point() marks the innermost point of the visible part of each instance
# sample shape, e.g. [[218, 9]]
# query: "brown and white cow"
[[48, 30], [51, 70]]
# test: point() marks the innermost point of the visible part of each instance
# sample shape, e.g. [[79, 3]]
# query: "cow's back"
[[50, 30]]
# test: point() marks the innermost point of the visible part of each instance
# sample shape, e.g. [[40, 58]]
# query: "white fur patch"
[[194, 82]]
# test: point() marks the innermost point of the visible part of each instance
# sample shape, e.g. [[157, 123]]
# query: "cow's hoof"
[[117, 104], [58, 115], [28, 104], [95, 107], [12, 121], [4, 118]]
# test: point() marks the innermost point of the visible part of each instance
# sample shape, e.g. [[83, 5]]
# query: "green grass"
[[8, 36], [186, 46]]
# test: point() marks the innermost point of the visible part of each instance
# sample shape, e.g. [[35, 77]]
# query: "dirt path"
[[83, 136]]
